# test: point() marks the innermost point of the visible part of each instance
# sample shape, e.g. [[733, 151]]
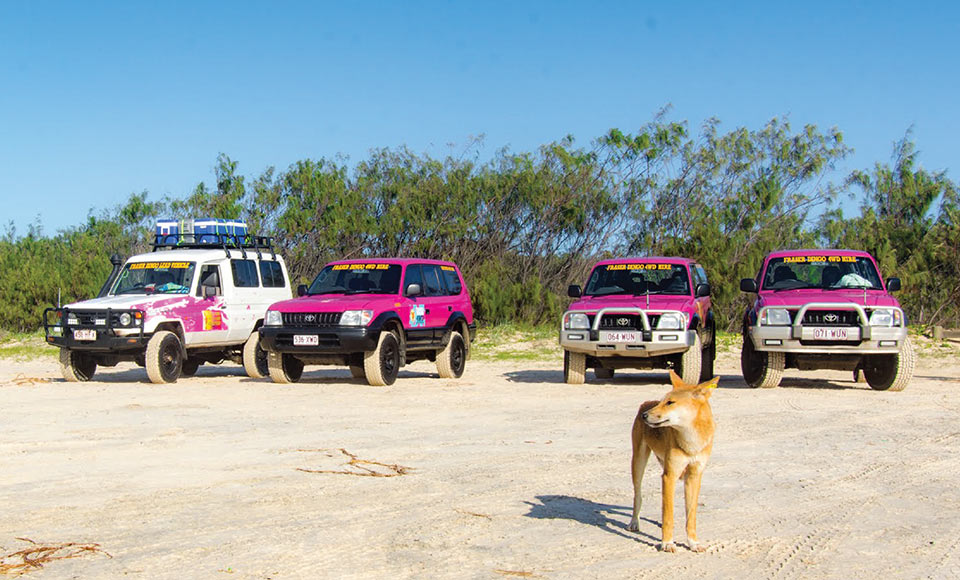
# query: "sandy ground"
[[508, 473]]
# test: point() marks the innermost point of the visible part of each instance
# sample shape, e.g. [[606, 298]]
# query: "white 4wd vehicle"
[[174, 309]]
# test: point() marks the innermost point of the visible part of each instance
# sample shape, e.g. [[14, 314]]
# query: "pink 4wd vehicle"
[[640, 313], [373, 316], [825, 309]]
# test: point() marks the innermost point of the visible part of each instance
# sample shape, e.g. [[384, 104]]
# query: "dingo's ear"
[[706, 389], [676, 381]]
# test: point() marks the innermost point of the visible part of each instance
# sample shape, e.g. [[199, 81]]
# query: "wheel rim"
[[457, 357], [389, 358], [169, 360]]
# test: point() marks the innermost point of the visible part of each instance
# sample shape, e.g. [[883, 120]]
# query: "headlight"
[[356, 318], [273, 318], [886, 317], [125, 319], [671, 321], [576, 321], [775, 317]]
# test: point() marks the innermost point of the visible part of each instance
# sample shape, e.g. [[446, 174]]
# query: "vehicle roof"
[[199, 255], [399, 261], [666, 259], [818, 251]]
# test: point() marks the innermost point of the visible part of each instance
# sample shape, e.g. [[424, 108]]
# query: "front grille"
[[99, 318], [627, 321], [311, 319], [831, 318]]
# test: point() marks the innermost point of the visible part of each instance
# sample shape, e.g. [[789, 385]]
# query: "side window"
[[412, 276], [210, 276], [452, 281], [699, 275], [431, 280], [272, 274], [244, 273]]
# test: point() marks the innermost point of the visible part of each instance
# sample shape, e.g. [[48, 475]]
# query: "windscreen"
[[154, 278], [638, 279], [821, 272], [357, 279]]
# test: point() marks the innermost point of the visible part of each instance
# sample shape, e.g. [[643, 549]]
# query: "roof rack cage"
[[211, 241]]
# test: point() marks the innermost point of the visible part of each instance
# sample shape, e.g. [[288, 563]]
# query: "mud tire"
[[574, 367], [691, 362], [255, 358], [76, 367], [453, 358], [603, 373], [357, 372], [382, 364], [761, 370], [890, 372], [284, 368], [164, 360], [190, 367]]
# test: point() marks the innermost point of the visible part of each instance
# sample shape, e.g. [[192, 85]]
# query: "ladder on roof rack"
[[226, 242]]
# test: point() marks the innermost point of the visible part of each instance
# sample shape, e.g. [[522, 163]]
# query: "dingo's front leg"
[[691, 494], [669, 485]]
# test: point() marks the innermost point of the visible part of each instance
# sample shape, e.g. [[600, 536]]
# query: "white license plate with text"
[[84, 334], [305, 340], [620, 337], [830, 334]]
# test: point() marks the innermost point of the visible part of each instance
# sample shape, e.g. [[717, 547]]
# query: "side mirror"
[[748, 285], [893, 284], [209, 291], [574, 291], [302, 290], [703, 290], [414, 290]]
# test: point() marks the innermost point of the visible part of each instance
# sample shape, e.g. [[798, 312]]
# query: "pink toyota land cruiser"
[[373, 316], [640, 313], [825, 309]]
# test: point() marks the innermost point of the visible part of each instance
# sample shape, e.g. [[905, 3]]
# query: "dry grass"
[[365, 467], [22, 380], [38, 554]]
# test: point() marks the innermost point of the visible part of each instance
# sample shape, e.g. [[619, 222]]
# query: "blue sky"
[[103, 99]]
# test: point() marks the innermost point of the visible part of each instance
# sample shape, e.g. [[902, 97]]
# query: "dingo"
[[679, 430]]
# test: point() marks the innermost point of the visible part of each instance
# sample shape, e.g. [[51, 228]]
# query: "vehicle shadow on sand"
[[609, 518], [656, 379]]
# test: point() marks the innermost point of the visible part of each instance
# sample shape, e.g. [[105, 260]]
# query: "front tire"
[[164, 359], [284, 368], [76, 367], [890, 372], [761, 370], [255, 358], [691, 362], [574, 367], [453, 358], [382, 364]]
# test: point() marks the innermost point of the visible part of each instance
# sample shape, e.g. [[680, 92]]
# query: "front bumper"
[[330, 340], [814, 339], [629, 343], [100, 335]]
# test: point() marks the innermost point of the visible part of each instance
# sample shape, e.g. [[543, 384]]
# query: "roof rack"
[[226, 242]]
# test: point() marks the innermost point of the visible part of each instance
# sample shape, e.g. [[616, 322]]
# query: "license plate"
[[305, 340], [621, 337], [830, 334], [84, 334]]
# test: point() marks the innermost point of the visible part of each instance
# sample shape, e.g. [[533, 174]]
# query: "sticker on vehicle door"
[[213, 320], [418, 316]]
